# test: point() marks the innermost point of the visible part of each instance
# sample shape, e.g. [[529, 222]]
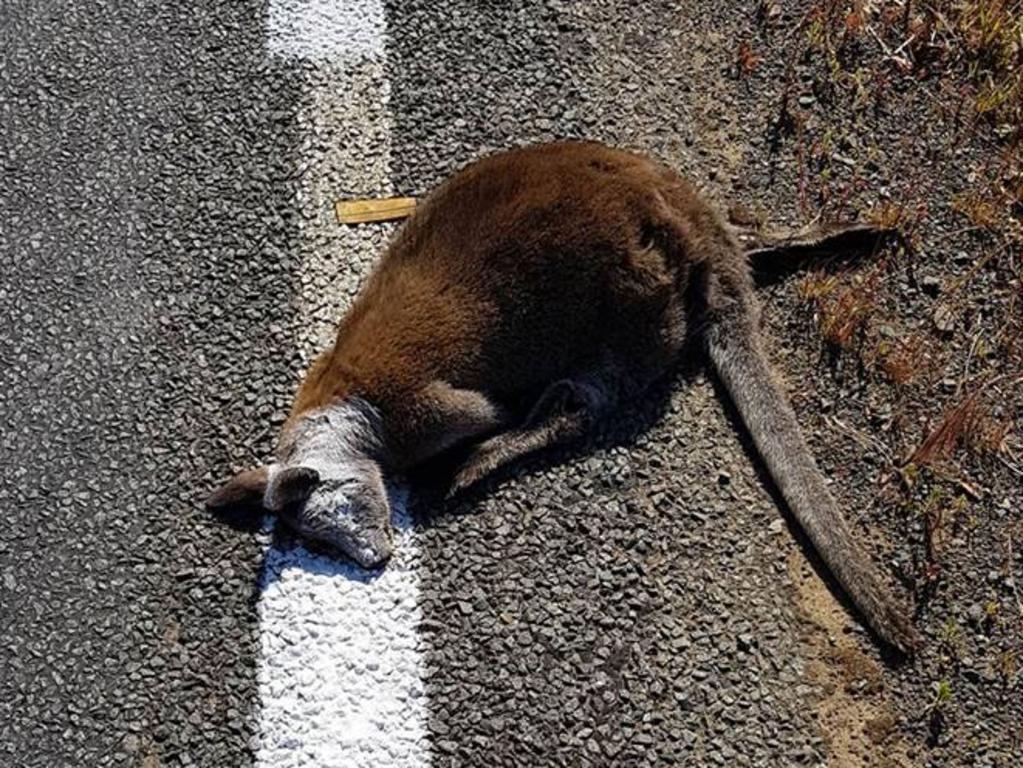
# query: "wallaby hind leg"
[[565, 412]]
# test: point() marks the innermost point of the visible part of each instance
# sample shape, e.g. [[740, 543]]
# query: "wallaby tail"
[[735, 350]]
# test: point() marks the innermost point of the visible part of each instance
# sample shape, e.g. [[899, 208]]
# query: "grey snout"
[[373, 549]]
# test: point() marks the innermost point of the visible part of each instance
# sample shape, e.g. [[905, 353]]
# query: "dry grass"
[[978, 208], [974, 48], [973, 51], [991, 35], [968, 424], [909, 114], [905, 360], [988, 435], [889, 215], [1007, 665], [843, 310], [939, 445], [977, 41], [993, 203], [843, 319], [747, 60]]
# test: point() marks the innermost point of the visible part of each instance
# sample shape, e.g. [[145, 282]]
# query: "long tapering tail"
[[734, 347]]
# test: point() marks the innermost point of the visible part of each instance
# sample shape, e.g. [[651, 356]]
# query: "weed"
[[856, 19], [842, 309], [991, 32], [942, 515], [905, 360], [957, 422], [909, 474], [994, 201], [844, 317], [933, 513], [977, 42], [859, 81], [979, 208], [817, 285], [951, 640], [816, 29], [1007, 666], [903, 218], [969, 424], [748, 60], [987, 435], [939, 707]]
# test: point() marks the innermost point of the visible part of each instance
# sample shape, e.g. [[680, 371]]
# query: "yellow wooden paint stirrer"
[[382, 209]]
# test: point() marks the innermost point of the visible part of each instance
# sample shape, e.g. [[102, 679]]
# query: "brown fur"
[[523, 269], [562, 278]]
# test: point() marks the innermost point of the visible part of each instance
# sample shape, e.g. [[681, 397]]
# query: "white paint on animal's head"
[[326, 30], [341, 502], [348, 513]]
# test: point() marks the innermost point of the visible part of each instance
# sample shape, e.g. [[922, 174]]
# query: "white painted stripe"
[[340, 673], [328, 30]]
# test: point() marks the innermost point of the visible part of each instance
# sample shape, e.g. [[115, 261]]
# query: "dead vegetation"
[[970, 48], [970, 424], [972, 53], [978, 43], [929, 332], [906, 359], [843, 309]]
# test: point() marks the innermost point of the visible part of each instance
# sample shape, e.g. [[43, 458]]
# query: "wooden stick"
[[385, 209]]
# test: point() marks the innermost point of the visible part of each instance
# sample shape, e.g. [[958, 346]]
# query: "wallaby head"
[[326, 484]]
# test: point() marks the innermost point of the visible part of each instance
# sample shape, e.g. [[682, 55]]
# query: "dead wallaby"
[[566, 276]]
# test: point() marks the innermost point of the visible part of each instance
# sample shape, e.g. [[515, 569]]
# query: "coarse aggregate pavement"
[[147, 267], [613, 595], [170, 265], [340, 665]]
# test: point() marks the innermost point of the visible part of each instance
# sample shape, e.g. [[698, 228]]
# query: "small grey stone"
[[944, 318], [931, 285]]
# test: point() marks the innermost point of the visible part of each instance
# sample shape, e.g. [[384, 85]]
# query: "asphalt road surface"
[[169, 266]]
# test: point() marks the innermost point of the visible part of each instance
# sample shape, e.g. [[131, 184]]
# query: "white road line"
[[340, 673], [329, 30]]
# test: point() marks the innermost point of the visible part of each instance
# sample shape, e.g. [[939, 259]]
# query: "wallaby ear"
[[244, 490], [290, 486]]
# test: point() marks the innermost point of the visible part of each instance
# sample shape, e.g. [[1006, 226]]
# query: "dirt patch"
[[905, 367], [858, 724]]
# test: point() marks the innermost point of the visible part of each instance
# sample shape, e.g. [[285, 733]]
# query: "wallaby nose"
[[376, 551], [371, 558]]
